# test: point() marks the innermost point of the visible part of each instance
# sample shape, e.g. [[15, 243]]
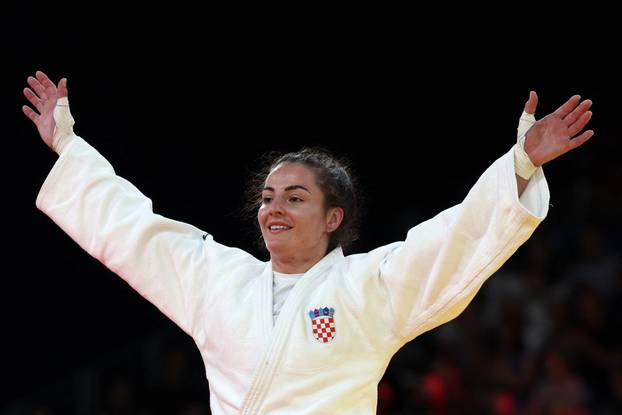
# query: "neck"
[[293, 265]]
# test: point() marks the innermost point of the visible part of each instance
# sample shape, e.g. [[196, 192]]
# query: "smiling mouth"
[[279, 228]]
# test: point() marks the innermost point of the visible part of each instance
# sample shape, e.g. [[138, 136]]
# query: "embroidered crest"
[[323, 324]]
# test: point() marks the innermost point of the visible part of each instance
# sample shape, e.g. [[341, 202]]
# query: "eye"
[[295, 199], [266, 199]]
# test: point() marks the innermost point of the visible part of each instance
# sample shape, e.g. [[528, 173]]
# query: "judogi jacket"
[[343, 320]]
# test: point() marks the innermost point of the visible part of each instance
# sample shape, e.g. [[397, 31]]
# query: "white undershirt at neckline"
[[282, 285]]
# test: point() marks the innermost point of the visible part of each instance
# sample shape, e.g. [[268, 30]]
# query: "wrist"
[[523, 164], [63, 130]]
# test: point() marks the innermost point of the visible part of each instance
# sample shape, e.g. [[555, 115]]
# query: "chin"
[[277, 247]]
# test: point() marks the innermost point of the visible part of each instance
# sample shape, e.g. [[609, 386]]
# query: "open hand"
[[556, 134], [43, 99]]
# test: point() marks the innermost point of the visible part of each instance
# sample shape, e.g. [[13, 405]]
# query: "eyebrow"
[[288, 188]]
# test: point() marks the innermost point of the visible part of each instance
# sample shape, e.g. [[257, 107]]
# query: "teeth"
[[279, 227]]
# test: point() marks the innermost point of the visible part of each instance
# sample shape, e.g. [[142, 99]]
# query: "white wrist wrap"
[[522, 163], [63, 131]]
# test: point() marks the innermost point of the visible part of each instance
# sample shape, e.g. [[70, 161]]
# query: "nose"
[[276, 208]]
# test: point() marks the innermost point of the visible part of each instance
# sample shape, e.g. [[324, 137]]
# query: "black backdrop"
[[183, 100]]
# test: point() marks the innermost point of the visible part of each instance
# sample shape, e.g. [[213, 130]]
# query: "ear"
[[334, 217]]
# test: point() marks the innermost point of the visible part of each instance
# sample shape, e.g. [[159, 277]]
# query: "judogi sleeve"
[[113, 221], [432, 276]]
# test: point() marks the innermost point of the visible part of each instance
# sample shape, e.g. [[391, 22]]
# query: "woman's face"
[[294, 222]]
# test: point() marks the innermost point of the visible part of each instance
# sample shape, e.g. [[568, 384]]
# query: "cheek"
[[313, 224], [261, 216]]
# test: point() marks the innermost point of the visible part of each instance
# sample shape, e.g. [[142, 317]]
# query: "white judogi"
[[342, 321]]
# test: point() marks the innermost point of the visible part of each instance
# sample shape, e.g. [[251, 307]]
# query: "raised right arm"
[[168, 262]]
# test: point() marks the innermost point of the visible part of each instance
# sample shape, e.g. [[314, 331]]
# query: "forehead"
[[288, 174]]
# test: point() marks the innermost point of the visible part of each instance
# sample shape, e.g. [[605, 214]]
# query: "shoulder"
[[373, 258], [226, 255]]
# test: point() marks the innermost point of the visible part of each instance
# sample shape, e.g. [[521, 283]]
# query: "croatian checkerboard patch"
[[323, 324]]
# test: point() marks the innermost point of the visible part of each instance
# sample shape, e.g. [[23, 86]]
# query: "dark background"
[[183, 100]]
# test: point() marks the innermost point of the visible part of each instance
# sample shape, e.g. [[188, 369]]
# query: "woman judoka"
[[311, 331]]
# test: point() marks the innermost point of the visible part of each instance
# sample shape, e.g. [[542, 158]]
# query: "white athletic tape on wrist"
[[524, 124], [522, 163], [63, 131]]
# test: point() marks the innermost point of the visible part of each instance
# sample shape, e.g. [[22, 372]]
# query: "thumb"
[[62, 88], [532, 103]]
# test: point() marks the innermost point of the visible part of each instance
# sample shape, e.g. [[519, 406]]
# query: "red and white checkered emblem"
[[323, 324]]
